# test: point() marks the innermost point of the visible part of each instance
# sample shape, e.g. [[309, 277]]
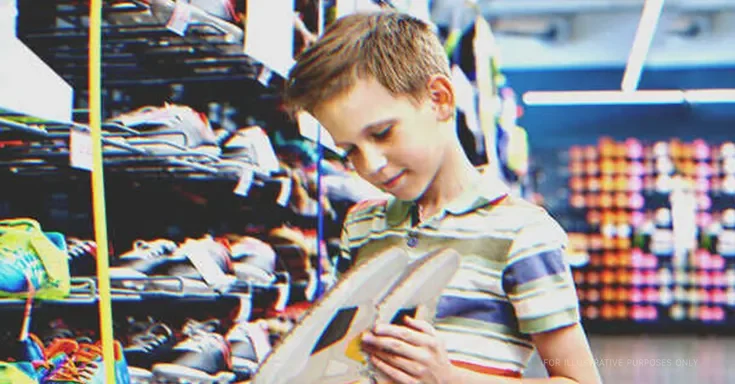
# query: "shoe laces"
[[80, 248], [193, 327], [152, 249], [82, 366], [154, 337], [55, 355]]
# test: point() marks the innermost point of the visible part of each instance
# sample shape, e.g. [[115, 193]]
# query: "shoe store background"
[[219, 216]]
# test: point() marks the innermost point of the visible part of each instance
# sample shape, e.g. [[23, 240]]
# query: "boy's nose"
[[373, 160]]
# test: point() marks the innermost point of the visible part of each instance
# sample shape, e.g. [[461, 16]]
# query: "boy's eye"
[[384, 133]]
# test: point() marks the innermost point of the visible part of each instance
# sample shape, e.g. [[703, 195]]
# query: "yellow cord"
[[98, 188]]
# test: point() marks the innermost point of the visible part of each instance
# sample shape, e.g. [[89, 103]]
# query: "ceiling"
[[599, 33]]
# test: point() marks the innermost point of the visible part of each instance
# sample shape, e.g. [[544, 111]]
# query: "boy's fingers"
[[406, 334], [392, 372], [420, 325], [405, 365]]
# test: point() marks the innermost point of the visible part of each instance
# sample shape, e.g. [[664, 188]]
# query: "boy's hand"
[[409, 354]]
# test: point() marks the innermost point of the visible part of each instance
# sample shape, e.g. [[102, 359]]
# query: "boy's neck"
[[455, 175]]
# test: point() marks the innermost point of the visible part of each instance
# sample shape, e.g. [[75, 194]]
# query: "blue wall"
[[561, 126], [554, 129]]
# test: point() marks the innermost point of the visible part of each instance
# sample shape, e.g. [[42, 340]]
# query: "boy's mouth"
[[393, 181]]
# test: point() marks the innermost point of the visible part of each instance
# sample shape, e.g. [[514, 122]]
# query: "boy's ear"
[[441, 94]]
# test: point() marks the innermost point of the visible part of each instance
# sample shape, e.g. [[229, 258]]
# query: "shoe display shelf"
[[38, 147], [142, 46], [620, 207]]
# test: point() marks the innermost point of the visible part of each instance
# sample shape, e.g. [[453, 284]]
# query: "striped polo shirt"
[[513, 279]]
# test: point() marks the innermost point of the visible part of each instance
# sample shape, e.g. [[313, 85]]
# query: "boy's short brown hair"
[[400, 51]]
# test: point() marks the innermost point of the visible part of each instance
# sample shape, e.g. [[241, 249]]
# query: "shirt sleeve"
[[537, 278]]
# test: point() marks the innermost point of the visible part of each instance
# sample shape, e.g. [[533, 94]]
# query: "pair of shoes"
[[202, 354], [75, 361], [169, 129], [325, 346], [206, 264]]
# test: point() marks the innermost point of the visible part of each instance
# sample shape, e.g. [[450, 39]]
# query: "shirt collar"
[[483, 191]]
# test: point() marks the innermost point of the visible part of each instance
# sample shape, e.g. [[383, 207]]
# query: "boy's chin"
[[406, 194]]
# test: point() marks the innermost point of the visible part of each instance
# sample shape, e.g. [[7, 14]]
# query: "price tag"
[[246, 180], [270, 33], [309, 128], [264, 153], [208, 268], [80, 149], [285, 194], [180, 18]]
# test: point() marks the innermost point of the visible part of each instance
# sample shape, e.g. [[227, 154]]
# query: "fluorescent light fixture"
[[629, 98], [603, 97], [641, 44], [710, 95]]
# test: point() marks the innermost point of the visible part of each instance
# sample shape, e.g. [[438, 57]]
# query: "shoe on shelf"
[[55, 355], [251, 145], [250, 344], [139, 261], [202, 358], [58, 329], [164, 9], [204, 264], [82, 257], [147, 347], [86, 366], [253, 260], [170, 129], [146, 254]]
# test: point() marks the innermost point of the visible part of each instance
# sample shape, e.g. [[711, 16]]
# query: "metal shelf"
[[138, 48], [36, 147], [84, 290]]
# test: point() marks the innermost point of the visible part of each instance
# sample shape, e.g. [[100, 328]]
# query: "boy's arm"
[[539, 284]]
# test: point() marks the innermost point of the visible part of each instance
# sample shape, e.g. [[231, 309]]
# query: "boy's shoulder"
[[520, 212], [513, 205]]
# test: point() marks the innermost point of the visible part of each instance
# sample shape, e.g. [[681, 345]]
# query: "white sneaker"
[[381, 290], [315, 351]]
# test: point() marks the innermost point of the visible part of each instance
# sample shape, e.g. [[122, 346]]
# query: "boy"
[[380, 84]]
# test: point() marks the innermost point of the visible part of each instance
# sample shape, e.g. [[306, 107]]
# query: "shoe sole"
[[140, 375], [314, 352], [418, 292], [173, 373], [420, 287]]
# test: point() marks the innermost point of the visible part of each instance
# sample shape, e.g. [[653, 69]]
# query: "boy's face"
[[394, 142]]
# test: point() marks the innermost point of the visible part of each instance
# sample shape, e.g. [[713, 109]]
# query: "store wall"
[[560, 126], [554, 129]]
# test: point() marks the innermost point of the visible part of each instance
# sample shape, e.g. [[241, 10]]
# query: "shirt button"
[[413, 241]]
